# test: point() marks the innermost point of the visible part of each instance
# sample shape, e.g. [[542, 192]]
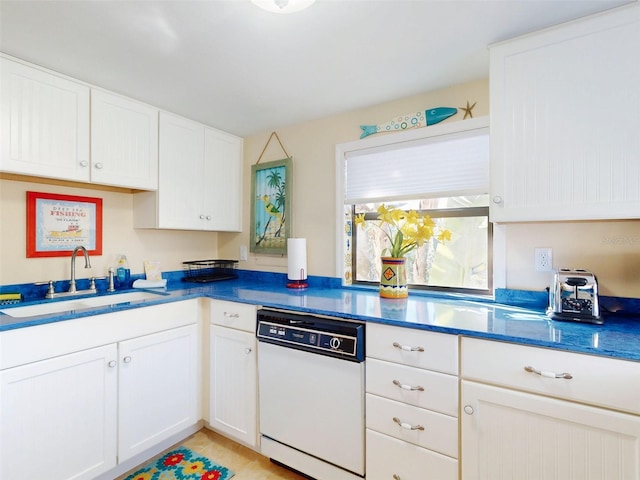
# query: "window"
[[441, 171]]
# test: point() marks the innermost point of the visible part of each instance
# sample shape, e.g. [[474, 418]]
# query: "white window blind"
[[442, 166]]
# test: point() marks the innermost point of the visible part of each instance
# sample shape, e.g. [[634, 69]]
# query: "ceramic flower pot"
[[393, 280]]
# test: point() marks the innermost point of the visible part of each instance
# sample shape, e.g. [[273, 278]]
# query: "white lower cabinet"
[[58, 416], [233, 400], [158, 388], [530, 413], [411, 404], [511, 434], [79, 415]]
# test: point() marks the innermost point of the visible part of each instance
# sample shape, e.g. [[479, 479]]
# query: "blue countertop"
[[619, 337]]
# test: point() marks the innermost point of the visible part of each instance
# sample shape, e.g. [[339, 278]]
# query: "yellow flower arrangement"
[[405, 230]]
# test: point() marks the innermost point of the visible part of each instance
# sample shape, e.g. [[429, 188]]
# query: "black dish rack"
[[205, 271]]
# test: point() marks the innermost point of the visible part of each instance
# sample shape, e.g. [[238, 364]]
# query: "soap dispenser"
[[123, 274]]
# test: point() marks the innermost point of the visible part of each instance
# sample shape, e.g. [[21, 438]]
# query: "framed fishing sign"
[[270, 206], [56, 224]]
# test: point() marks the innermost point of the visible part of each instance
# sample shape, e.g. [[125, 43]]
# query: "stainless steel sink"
[[47, 307]]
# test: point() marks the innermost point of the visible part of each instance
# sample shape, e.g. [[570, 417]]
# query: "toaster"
[[574, 296]]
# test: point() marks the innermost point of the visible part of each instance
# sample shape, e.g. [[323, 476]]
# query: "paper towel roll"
[[297, 261]]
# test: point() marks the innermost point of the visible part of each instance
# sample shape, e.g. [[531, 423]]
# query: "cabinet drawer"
[[389, 458], [415, 386], [234, 315], [595, 380], [418, 348], [438, 433]]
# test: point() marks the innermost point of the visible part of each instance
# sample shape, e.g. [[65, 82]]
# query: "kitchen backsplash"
[[534, 300]]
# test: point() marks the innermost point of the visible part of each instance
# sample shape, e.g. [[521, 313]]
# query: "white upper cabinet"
[[45, 123], [223, 176], [199, 184], [181, 195], [565, 117], [55, 127], [124, 142]]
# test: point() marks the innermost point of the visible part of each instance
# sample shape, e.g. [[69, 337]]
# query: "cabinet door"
[[180, 186], [222, 181], [124, 142], [58, 417], [158, 390], [232, 396], [565, 122], [45, 121], [510, 434]]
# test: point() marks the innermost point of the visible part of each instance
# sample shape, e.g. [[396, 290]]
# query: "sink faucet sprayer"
[[87, 264]]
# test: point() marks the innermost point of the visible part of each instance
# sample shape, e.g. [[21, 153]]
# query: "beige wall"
[[312, 146], [171, 248], [610, 249]]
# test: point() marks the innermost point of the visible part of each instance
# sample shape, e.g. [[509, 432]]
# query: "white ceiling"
[[233, 66]]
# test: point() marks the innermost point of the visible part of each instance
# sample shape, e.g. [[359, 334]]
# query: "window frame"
[[497, 261], [437, 213]]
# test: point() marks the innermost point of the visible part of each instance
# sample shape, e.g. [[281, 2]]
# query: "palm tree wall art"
[[270, 206]]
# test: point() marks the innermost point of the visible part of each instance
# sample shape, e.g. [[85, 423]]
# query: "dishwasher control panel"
[[326, 336]]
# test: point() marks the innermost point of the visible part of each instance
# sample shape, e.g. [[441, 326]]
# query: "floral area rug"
[[181, 464]]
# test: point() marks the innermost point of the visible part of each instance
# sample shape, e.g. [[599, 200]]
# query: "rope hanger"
[[267, 144]]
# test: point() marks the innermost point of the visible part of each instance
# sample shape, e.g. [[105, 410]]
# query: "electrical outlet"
[[543, 259], [243, 253]]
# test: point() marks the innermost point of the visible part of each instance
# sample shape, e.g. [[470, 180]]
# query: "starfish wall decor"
[[467, 110]]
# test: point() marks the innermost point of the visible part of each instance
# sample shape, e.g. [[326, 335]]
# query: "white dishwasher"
[[311, 377]]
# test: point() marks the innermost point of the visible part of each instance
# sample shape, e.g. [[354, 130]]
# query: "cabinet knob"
[[396, 477], [127, 359], [497, 199], [201, 217], [84, 163], [468, 409], [247, 350], [112, 364], [208, 217], [99, 165]]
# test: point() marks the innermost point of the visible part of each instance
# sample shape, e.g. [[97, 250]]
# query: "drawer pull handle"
[[546, 374], [407, 387], [407, 348], [231, 315], [407, 426]]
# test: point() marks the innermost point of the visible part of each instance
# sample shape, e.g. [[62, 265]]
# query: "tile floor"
[[244, 462]]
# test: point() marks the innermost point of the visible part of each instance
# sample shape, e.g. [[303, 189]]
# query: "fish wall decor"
[[411, 120]]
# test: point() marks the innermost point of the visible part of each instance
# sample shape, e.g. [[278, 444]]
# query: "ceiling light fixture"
[[283, 6]]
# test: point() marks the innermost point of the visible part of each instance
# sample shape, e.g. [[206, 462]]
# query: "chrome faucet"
[[87, 264], [51, 292]]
